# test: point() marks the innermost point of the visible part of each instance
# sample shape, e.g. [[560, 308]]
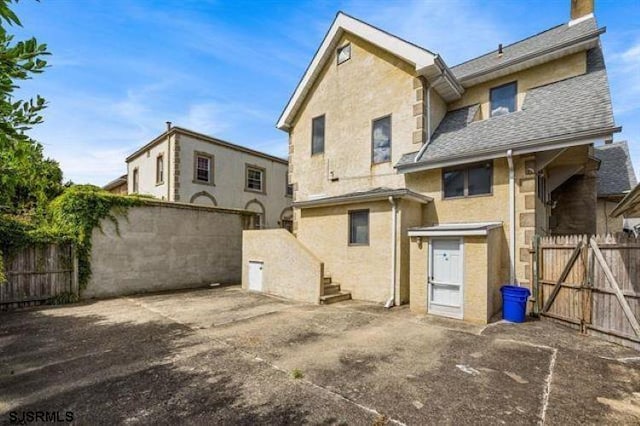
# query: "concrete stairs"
[[332, 293]]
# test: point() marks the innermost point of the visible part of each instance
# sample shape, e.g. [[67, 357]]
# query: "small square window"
[[344, 53], [503, 99], [480, 179], [359, 227], [453, 183]]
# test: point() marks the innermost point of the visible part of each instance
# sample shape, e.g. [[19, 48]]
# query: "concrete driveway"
[[227, 356]]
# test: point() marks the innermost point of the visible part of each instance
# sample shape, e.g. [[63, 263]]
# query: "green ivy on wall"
[[70, 217]]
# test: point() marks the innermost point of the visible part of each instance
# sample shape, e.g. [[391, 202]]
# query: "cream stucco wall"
[[365, 271], [482, 280], [289, 269], [351, 95], [165, 246], [559, 69], [146, 165], [372, 84], [228, 187], [604, 222]]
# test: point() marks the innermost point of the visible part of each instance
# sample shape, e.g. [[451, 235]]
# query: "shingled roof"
[[573, 107], [616, 175], [547, 40]]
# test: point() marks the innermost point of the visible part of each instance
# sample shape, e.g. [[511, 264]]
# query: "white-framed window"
[[255, 179], [202, 168], [343, 53]]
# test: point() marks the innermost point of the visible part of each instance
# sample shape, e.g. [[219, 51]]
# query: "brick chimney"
[[581, 8]]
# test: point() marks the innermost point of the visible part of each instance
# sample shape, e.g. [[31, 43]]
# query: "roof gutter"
[[526, 147], [448, 75]]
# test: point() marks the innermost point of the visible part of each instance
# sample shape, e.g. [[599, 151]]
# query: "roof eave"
[[420, 58], [364, 198], [575, 45], [206, 138], [630, 204], [526, 147]]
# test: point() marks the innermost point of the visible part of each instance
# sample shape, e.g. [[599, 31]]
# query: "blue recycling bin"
[[514, 303]]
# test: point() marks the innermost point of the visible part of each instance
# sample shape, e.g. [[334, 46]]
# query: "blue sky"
[[120, 68]]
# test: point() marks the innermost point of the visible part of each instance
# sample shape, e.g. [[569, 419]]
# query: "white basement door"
[[445, 278], [255, 276]]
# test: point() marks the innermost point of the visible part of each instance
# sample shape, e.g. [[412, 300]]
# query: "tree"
[[27, 179]]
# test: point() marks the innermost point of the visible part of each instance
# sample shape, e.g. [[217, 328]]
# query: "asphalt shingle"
[[616, 175], [550, 38], [574, 105]]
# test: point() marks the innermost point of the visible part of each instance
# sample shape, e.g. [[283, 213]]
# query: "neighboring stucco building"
[[422, 183], [616, 178], [190, 167], [117, 186]]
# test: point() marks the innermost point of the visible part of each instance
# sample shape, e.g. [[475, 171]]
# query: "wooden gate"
[[591, 283], [37, 274]]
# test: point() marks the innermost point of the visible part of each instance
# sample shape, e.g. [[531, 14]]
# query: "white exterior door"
[[255, 275], [445, 286]]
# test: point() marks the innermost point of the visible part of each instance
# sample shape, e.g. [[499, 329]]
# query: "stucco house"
[[181, 165], [416, 182], [616, 178]]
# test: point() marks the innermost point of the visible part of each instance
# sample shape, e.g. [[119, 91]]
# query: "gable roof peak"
[[425, 62]]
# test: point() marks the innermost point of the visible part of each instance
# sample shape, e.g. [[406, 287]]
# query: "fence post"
[[74, 273], [586, 292], [535, 274]]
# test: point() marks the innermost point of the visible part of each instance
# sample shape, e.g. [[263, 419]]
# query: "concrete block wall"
[[166, 246]]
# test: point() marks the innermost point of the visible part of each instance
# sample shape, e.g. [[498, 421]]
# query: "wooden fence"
[[592, 283], [37, 274]]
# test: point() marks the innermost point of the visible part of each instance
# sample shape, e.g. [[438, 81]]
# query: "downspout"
[[428, 112], [512, 219], [392, 299]]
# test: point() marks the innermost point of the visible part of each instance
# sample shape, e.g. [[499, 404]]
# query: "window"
[[135, 180], [381, 140], [259, 221], [503, 99], [467, 181], [344, 53], [289, 189], [159, 169], [359, 227], [202, 168], [317, 136], [254, 179]]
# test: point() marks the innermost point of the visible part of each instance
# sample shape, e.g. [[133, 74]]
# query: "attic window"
[[503, 99], [344, 53]]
